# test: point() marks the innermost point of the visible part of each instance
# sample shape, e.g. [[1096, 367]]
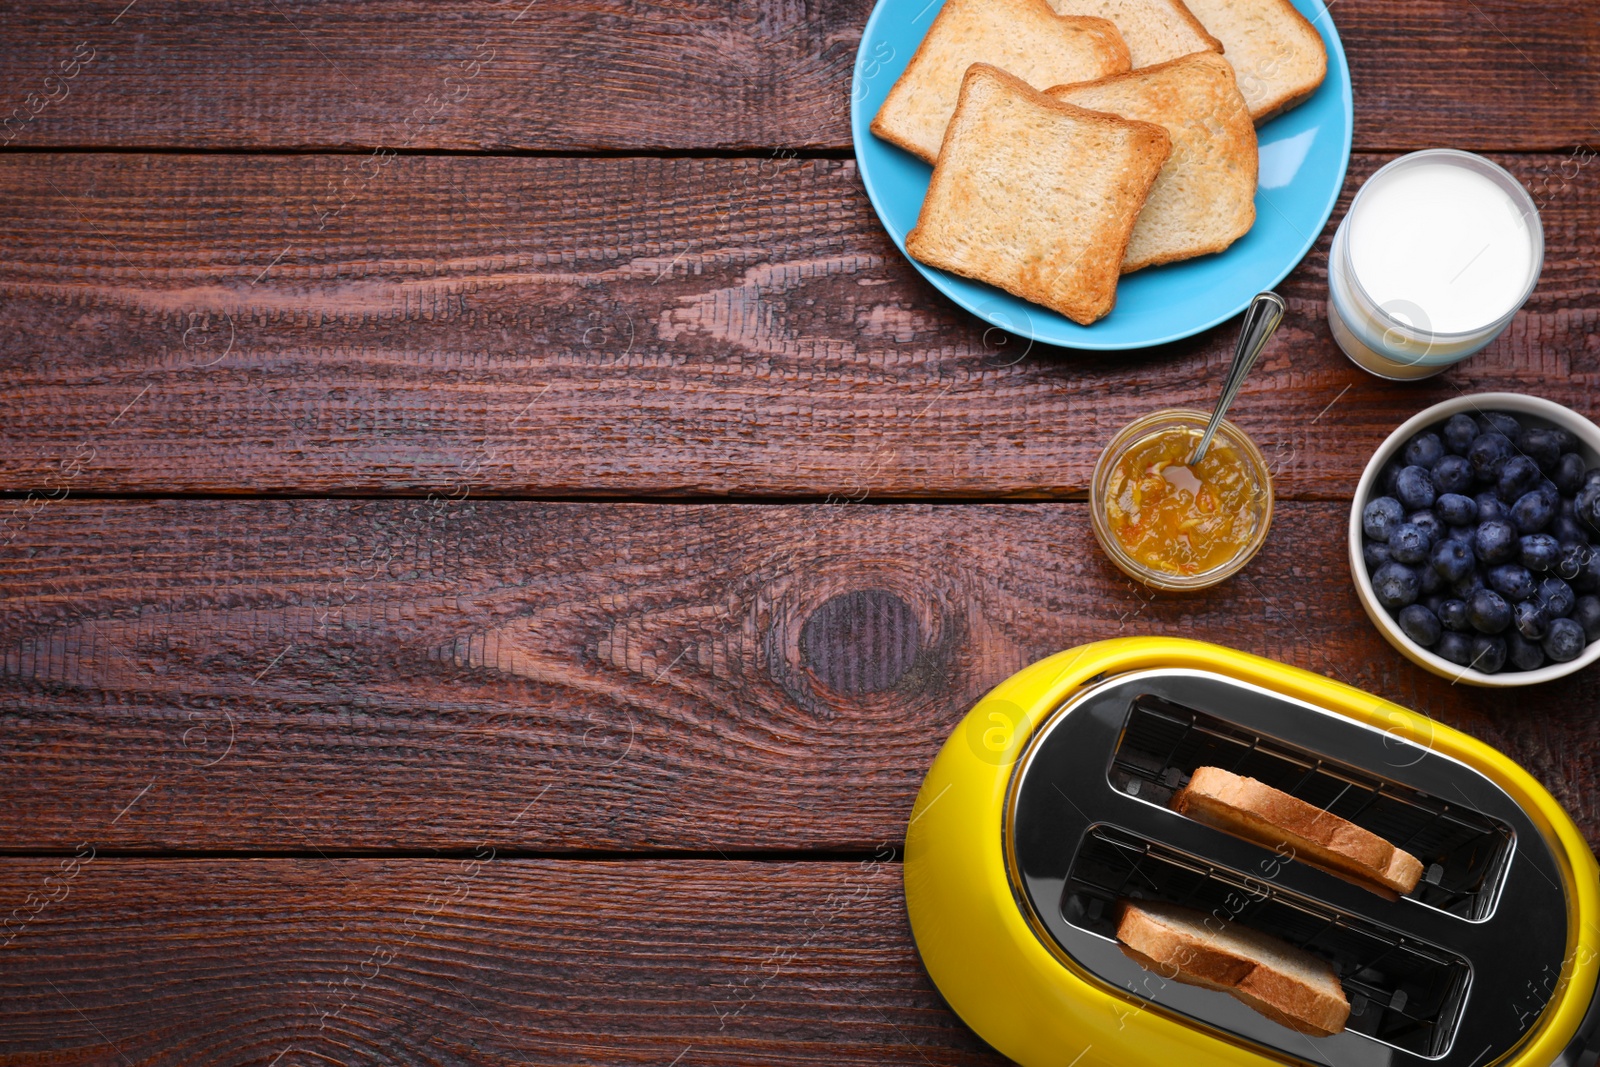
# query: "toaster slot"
[[1463, 852], [1402, 992]]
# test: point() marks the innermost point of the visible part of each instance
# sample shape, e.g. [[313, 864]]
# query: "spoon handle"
[[1260, 322]]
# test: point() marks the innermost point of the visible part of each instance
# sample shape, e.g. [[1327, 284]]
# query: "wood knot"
[[864, 641]]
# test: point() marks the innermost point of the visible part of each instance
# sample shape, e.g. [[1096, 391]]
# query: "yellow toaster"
[[1048, 806]]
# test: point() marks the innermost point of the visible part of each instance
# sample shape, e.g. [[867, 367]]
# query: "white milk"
[[1440, 249]]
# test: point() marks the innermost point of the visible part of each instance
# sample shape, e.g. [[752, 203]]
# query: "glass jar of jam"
[[1173, 526]]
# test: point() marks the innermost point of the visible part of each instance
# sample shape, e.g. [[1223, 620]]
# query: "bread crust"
[[896, 121], [1252, 809], [1214, 149], [1088, 292], [1187, 946]]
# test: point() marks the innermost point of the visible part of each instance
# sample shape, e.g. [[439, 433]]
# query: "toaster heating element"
[[1017, 862]]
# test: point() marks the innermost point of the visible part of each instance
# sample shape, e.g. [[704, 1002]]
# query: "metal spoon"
[[1260, 322]]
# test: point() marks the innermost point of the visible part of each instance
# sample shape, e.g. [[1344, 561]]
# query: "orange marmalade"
[[1177, 519]]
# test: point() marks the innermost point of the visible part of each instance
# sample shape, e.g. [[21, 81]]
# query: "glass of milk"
[[1437, 253]]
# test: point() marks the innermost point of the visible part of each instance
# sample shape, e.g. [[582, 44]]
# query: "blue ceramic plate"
[[1303, 158]]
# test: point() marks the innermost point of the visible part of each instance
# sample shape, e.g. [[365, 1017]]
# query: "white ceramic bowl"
[[1532, 411]]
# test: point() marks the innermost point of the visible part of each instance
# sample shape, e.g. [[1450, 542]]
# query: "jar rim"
[[1137, 430]]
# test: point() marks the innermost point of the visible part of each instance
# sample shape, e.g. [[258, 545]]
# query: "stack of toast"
[[1074, 141], [1288, 984]]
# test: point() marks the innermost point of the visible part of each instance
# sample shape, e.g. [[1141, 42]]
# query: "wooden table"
[[495, 533]]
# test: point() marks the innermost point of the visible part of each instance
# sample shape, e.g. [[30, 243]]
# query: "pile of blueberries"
[[1482, 544]]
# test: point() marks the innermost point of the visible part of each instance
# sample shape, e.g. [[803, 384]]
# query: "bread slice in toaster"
[[1288, 985], [1256, 811]]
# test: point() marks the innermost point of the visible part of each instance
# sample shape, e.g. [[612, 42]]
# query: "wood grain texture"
[[560, 75], [619, 327], [318, 675], [565, 75], [475, 962]]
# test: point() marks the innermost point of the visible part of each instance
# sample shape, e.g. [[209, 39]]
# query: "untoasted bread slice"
[[1271, 817], [1156, 30], [1023, 37], [1276, 53], [1037, 197], [1286, 984], [1204, 199]]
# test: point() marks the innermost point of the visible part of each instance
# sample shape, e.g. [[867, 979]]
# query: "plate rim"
[[938, 278]]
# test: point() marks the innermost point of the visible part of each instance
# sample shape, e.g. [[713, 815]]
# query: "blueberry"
[[1587, 580], [1557, 597], [1415, 489], [1428, 579], [1495, 541], [1531, 620], [1429, 524], [1586, 613], [1488, 612], [1586, 505], [1539, 552], [1433, 602], [1568, 474], [1525, 655], [1453, 560], [1534, 511], [1457, 648], [1409, 543], [1464, 588], [1543, 447], [1514, 582], [1491, 507], [1565, 439], [1462, 533], [1488, 454], [1517, 476], [1453, 616], [1565, 529], [1375, 554], [1459, 433], [1396, 585], [1591, 476], [1423, 450], [1421, 625], [1379, 518], [1488, 654], [1574, 565], [1456, 509], [1387, 476], [1452, 474], [1564, 643], [1500, 422]]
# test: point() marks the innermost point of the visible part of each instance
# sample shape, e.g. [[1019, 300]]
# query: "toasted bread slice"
[[1021, 36], [1271, 817], [1037, 197], [1204, 199], [1156, 30], [1276, 53], [1286, 984]]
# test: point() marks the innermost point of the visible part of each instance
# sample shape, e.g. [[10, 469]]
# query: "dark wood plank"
[[333, 674], [623, 327], [628, 74], [564, 75], [472, 962]]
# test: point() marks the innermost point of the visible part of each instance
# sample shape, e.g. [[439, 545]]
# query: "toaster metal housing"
[[1048, 805]]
